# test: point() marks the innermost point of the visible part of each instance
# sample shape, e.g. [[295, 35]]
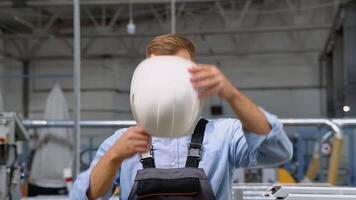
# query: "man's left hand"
[[209, 80]]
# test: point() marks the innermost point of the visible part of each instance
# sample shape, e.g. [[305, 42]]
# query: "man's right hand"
[[134, 140]]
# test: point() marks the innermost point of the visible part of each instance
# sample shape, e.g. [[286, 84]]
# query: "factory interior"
[[66, 69]]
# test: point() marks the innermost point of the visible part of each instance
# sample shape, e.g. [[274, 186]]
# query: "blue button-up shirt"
[[226, 146]]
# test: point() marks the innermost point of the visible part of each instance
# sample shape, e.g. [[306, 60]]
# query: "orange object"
[[284, 176], [24, 189], [313, 168], [335, 161]]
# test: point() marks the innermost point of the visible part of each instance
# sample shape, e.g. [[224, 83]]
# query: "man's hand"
[[134, 140], [209, 80]]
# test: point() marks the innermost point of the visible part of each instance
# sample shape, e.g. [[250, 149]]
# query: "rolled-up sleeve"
[[81, 185], [252, 150]]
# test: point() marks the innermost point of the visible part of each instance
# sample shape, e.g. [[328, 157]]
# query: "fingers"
[[137, 140], [138, 129], [207, 79], [141, 149], [137, 132], [142, 143], [197, 68], [202, 74], [140, 146], [210, 91], [206, 83]]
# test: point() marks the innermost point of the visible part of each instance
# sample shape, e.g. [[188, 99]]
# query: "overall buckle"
[[195, 150], [148, 154]]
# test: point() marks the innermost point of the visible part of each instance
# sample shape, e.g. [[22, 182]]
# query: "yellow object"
[[284, 176], [117, 191], [313, 168], [24, 189], [335, 161]]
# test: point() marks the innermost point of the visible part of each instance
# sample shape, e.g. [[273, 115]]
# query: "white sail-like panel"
[[54, 150]]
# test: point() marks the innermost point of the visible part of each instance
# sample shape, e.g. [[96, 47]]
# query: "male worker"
[[256, 139]]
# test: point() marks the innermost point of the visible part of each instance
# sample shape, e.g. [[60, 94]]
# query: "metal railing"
[[84, 124], [335, 125]]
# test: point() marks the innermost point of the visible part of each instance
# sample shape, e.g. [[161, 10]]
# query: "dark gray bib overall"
[[189, 183]]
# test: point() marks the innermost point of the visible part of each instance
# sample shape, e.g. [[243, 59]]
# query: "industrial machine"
[[12, 133]]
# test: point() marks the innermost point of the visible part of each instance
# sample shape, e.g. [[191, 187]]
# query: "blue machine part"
[[350, 133]]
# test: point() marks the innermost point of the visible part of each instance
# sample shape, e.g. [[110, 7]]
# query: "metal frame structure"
[[334, 124], [26, 36], [283, 191], [292, 192], [302, 192], [232, 14]]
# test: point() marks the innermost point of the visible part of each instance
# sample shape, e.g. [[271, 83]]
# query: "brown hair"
[[170, 44]]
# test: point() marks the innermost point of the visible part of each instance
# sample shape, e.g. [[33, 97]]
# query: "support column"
[[77, 86], [25, 87]]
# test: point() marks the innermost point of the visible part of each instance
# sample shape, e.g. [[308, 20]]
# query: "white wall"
[[11, 86]]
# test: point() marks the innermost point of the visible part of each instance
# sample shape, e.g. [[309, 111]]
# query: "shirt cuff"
[[255, 139], [80, 186], [78, 194]]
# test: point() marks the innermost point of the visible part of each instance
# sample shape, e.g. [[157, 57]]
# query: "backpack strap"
[[195, 146]]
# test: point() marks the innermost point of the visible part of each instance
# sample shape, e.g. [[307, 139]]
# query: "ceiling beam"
[[202, 55], [9, 3], [255, 30]]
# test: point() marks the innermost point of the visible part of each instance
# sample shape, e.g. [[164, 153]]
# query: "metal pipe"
[[333, 123], [37, 76], [345, 122], [77, 77], [84, 124], [93, 3], [308, 122], [173, 16], [25, 87], [187, 32], [221, 55]]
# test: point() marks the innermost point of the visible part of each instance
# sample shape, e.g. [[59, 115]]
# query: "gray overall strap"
[[195, 146]]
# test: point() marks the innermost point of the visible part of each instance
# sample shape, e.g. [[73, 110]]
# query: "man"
[[256, 139]]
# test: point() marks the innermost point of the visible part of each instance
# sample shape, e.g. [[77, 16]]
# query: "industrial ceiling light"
[[131, 27], [346, 108]]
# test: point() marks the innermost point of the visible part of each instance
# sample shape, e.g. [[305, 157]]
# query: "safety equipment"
[[162, 97]]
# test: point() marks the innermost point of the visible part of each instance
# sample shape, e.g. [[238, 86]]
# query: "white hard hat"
[[162, 97]]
